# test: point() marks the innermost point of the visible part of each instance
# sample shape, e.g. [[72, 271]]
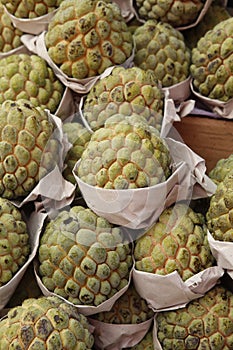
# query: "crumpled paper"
[[140, 208], [127, 10], [37, 45], [170, 291], [17, 50], [34, 227], [119, 336], [219, 108]]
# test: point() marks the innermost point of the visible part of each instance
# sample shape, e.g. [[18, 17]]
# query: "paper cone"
[[118, 336], [170, 292]]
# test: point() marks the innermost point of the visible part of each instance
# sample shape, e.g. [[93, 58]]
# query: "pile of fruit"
[[71, 277]]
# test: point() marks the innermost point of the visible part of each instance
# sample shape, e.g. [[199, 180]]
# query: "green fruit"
[[10, 37], [125, 154], [176, 12], [176, 242], [30, 8], [83, 258], [45, 323], [130, 308], [220, 212], [211, 67], [25, 154], [79, 137], [223, 167], [162, 49], [14, 241], [87, 36], [125, 91], [24, 76], [205, 323]]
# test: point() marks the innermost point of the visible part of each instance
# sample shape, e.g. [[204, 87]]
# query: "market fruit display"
[[215, 14], [45, 323], [205, 323], [222, 168], [177, 13], [219, 214], [10, 37], [83, 258], [125, 154], [87, 36], [27, 147], [30, 9], [28, 76], [176, 242], [211, 63], [125, 91], [14, 241], [79, 137], [162, 48], [130, 308]]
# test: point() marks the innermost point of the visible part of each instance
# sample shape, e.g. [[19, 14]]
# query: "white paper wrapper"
[[66, 106], [32, 26], [219, 108], [127, 9], [34, 224], [179, 92], [37, 45], [140, 208], [86, 310], [223, 253], [118, 336], [53, 187], [17, 50], [170, 292]]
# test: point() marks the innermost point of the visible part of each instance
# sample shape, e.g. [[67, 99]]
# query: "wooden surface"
[[210, 138]]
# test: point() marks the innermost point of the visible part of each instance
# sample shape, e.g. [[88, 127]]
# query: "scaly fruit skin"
[[176, 242], [125, 154], [220, 212], [205, 323], [83, 258], [45, 323], [175, 12], [223, 167], [30, 9], [10, 37], [125, 91], [162, 48], [87, 36], [14, 241], [24, 76], [211, 67], [79, 137], [25, 156], [130, 308], [215, 14]]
